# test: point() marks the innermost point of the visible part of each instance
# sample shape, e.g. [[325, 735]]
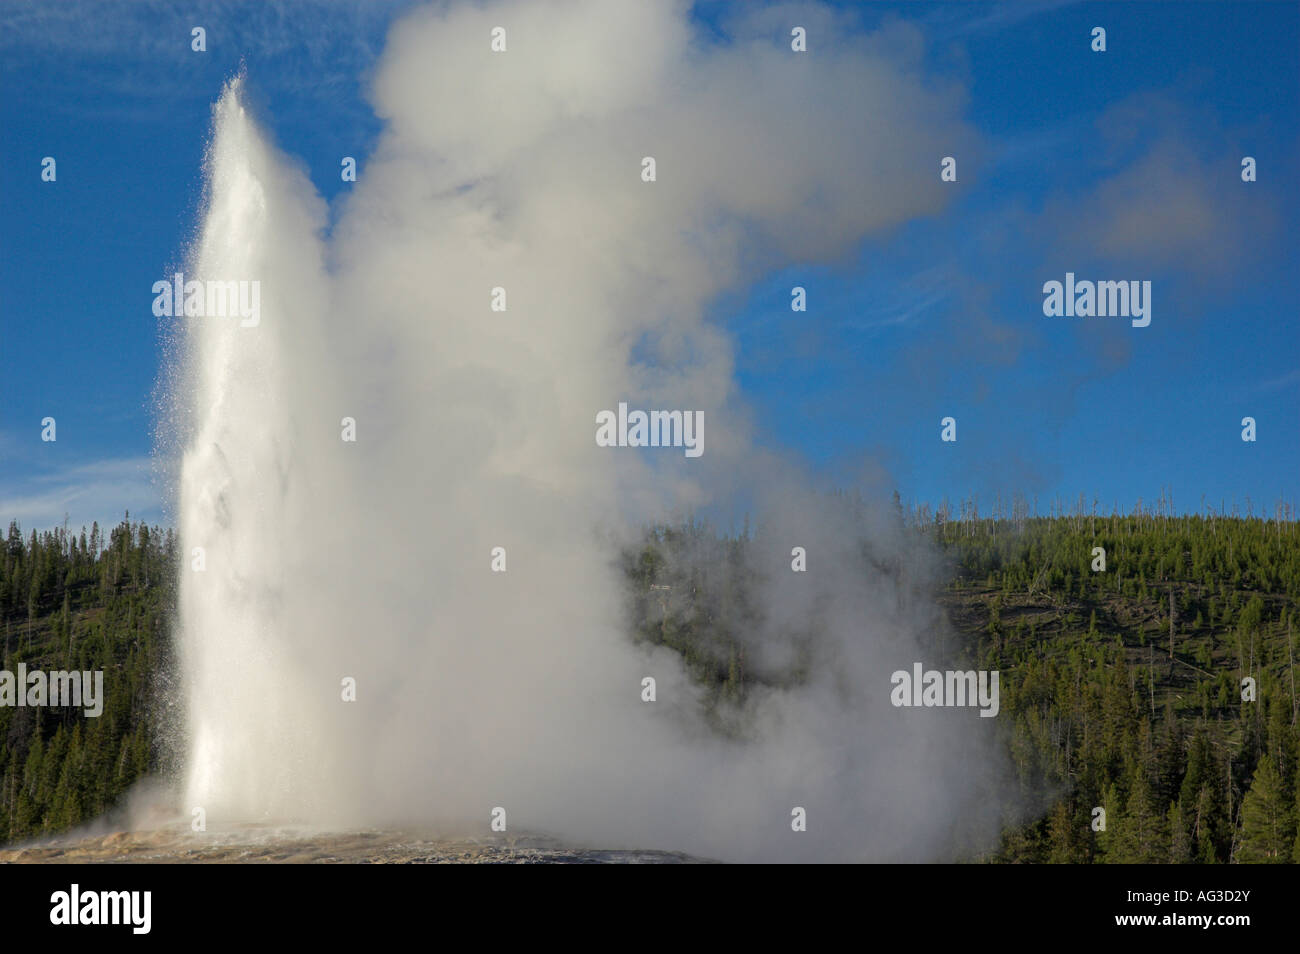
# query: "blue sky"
[[1115, 165]]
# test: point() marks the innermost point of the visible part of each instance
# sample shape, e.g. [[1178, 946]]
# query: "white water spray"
[[256, 748]]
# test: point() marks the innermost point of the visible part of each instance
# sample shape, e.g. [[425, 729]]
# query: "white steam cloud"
[[327, 559]]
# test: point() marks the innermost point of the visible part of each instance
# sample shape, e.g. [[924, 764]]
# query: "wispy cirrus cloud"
[[127, 46], [86, 492], [1283, 381], [905, 301], [953, 21]]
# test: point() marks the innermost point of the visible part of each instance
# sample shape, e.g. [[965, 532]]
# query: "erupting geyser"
[[255, 745], [352, 461]]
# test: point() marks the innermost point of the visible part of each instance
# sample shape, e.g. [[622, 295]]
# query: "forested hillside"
[[1124, 688], [82, 602], [1121, 688]]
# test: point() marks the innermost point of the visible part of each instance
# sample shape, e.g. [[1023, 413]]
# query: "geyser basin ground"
[[287, 845]]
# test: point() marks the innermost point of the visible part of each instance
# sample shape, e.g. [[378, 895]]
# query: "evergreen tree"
[[1108, 840], [1181, 846], [1143, 837], [1268, 831], [1064, 841], [1295, 851]]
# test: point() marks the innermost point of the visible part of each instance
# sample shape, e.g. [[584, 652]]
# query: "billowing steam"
[[325, 559]]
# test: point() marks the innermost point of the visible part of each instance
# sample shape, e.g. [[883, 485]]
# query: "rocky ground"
[[178, 845]]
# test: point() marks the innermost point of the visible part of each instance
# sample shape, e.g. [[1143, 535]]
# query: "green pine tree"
[[1267, 827], [1181, 846], [1142, 838]]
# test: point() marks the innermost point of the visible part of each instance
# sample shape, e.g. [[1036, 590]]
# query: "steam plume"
[[370, 559]]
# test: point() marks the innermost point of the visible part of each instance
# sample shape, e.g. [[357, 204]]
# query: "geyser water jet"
[[254, 743]]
